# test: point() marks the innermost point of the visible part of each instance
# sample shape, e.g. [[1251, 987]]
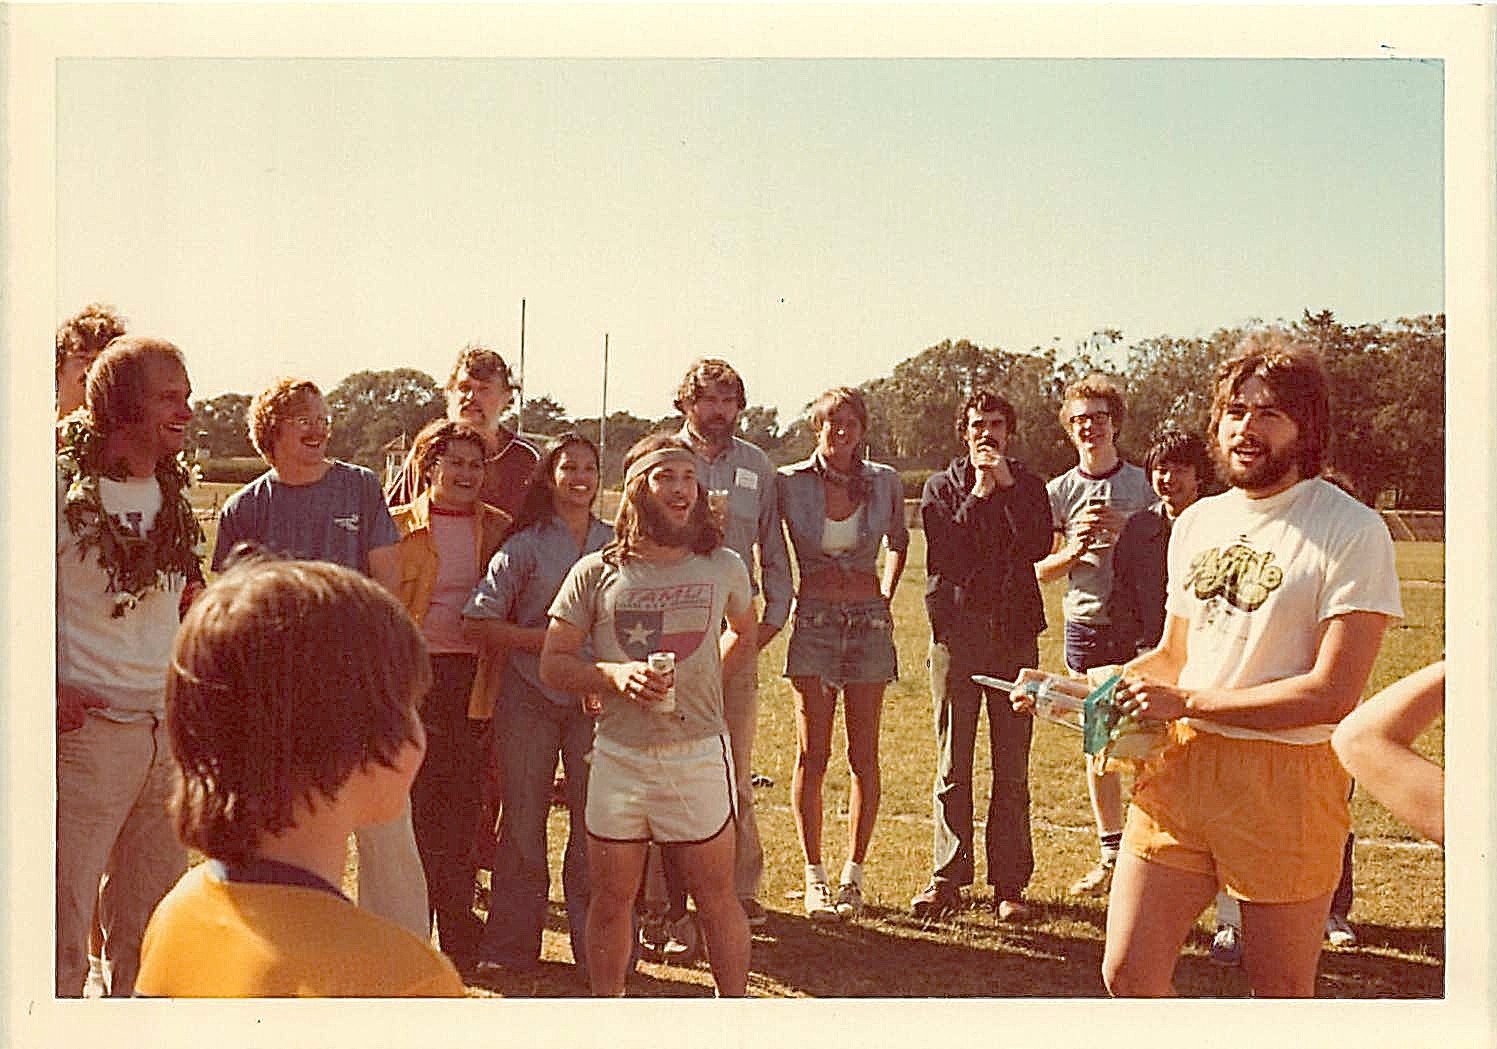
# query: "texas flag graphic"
[[663, 619]]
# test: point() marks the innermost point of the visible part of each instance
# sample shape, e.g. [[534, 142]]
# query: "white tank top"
[[838, 537]]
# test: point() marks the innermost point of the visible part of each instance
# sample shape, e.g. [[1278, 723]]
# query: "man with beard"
[[479, 391], [740, 477], [1090, 503], [126, 545], [666, 584], [1280, 591], [986, 521], [313, 508]]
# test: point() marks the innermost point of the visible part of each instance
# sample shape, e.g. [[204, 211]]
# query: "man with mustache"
[[986, 520], [711, 396], [1279, 594], [313, 508], [1090, 503], [479, 391]]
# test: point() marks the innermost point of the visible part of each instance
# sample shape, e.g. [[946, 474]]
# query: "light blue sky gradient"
[[814, 221]]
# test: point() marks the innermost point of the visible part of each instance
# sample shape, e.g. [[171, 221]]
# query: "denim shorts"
[[843, 644], [1091, 645]]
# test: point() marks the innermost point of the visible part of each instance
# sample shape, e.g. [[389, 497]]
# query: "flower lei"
[[134, 564]]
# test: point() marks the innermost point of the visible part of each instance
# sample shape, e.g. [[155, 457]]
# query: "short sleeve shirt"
[[339, 518], [1126, 489], [636, 608], [1255, 578]]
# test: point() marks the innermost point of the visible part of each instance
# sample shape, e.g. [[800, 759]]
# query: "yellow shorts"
[[1267, 820]]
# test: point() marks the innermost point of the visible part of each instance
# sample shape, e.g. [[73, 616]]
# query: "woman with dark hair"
[[533, 723], [839, 509], [447, 536]]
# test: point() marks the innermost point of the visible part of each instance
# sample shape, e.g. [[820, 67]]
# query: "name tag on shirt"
[[746, 478]]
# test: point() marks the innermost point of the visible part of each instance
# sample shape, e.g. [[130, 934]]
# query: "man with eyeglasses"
[[479, 391], [1089, 505], [313, 508]]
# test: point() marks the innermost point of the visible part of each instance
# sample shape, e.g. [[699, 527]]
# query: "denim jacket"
[[803, 507]]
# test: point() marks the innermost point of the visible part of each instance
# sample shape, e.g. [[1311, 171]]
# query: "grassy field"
[[1399, 911]]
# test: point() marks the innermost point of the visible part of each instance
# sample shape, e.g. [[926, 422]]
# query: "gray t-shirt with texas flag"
[[631, 610]]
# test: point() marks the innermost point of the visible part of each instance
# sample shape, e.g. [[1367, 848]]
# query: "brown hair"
[[825, 406], [631, 523], [273, 406], [482, 363], [434, 439], [1095, 386], [705, 372], [286, 678], [986, 401], [116, 389], [88, 331], [1292, 370]]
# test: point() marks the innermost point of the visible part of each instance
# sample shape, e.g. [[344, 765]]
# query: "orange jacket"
[[416, 555]]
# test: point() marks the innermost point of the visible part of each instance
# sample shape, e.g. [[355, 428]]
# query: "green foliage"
[[233, 470], [543, 415], [371, 408], [913, 482], [219, 425]]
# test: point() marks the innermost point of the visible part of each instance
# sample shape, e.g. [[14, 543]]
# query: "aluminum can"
[[664, 663]]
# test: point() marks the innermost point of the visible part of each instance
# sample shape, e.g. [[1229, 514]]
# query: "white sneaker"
[[683, 944], [849, 900], [1339, 933], [819, 904]]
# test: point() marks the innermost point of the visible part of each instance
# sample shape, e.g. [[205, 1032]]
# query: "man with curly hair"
[[479, 391], [80, 339], [313, 508], [126, 545]]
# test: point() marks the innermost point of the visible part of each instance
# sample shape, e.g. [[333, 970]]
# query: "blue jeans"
[[529, 732], [956, 703], [1091, 645]]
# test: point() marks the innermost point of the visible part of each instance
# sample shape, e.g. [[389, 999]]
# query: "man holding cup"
[[1089, 505]]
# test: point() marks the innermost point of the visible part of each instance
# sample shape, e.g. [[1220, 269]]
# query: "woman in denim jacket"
[[839, 508]]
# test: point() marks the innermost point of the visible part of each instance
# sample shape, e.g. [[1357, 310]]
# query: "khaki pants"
[[392, 882], [115, 844], [741, 711]]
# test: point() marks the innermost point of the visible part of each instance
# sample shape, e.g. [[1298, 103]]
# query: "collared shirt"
[[522, 580], [753, 518], [802, 496]]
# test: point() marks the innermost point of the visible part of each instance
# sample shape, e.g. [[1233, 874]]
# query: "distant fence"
[[1424, 526]]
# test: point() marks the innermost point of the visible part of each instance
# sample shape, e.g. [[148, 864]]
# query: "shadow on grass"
[[1056, 954]]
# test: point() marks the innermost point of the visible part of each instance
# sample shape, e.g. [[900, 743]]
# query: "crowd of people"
[[405, 666]]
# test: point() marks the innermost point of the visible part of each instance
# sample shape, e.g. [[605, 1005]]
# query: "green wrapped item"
[[1100, 715], [1109, 733]]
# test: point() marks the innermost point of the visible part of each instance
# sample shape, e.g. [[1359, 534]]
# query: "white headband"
[[652, 459]]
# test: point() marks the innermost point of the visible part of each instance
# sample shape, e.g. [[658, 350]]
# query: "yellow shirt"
[[211, 938]]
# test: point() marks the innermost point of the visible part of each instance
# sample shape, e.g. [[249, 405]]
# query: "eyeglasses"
[[312, 422], [1095, 418]]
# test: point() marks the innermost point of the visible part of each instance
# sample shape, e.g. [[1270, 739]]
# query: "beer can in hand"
[[664, 664]]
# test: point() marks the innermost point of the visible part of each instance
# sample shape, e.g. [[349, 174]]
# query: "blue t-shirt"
[[339, 518]]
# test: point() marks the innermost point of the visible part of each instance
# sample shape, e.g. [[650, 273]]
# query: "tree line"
[[1387, 382]]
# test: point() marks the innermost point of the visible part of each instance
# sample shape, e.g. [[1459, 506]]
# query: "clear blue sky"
[[814, 221]]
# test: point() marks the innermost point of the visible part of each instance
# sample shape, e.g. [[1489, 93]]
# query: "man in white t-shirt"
[[666, 584], [127, 543], [1279, 593], [1089, 504]]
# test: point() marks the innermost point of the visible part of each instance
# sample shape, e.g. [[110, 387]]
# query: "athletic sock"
[[1112, 844], [852, 874], [815, 872]]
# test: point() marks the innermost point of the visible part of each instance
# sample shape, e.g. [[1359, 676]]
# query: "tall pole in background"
[[520, 412], [603, 418]]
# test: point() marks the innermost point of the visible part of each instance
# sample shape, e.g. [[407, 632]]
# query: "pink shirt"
[[457, 575]]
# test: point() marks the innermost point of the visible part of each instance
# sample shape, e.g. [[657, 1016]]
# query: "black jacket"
[[1139, 570], [980, 555]]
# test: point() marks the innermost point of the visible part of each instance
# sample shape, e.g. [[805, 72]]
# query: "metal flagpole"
[[520, 411]]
